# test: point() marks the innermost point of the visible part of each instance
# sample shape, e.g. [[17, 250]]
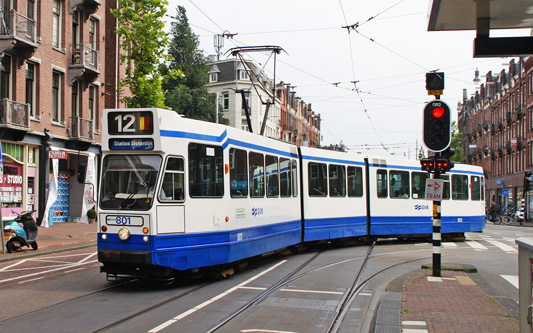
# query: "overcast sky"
[[388, 54]]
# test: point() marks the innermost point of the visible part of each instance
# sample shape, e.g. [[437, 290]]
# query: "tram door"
[[171, 211]]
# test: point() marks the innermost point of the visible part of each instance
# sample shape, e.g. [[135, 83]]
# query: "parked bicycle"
[[511, 215]]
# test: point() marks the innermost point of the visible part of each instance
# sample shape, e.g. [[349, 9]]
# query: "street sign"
[[505, 193], [435, 92], [434, 189], [57, 154]]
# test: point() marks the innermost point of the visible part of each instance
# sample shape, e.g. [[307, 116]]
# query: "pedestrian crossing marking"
[[512, 279], [475, 245], [503, 246]]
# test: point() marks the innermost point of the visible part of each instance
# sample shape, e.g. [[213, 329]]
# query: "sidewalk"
[[59, 237]]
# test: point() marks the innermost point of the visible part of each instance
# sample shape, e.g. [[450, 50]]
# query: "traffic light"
[[527, 181], [435, 81], [443, 165], [427, 164], [437, 125]]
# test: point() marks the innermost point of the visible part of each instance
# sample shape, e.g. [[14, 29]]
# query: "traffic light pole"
[[437, 239]]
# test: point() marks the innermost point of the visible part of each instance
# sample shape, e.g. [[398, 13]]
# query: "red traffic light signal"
[[437, 125]]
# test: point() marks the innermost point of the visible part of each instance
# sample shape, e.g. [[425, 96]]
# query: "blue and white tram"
[[178, 195], [397, 205]]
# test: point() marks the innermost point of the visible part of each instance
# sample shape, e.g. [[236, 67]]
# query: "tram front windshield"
[[128, 181]]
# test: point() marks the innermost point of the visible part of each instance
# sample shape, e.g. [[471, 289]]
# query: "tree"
[[188, 94], [456, 143], [143, 41]]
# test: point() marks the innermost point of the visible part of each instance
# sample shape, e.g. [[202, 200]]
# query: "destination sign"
[[130, 123], [131, 144]]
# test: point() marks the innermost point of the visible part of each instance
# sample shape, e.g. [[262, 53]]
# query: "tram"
[[181, 195]]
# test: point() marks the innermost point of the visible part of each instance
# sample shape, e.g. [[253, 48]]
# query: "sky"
[[387, 56]]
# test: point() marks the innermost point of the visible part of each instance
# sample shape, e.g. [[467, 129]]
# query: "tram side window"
[[272, 176], [483, 188], [355, 181], [173, 180], [382, 185], [399, 184], [318, 180], [445, 187], [459, 187], [206, 171], [475, 191], [418, 184], [257, 175], [285, 177], [337, 180], [238, 173], [294, 176]]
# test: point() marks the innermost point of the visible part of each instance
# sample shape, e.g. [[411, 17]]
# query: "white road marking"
[[216, 298], [513, 279], [475, 245], [503, 246]]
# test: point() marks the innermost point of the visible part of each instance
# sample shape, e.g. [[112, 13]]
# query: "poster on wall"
[[89, 190], [52, 195], [11, 185]]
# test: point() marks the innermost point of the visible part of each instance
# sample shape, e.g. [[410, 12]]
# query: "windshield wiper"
[[123, 203]]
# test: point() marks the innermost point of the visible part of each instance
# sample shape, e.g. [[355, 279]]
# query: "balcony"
[[18, 36], [81, 133], [87, 7], [84, 65], [14, 119]]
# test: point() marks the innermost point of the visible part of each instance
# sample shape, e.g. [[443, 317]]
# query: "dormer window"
[[243, 75], [213, 74]]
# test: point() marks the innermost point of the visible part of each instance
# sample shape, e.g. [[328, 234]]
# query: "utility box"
[[525, 283]]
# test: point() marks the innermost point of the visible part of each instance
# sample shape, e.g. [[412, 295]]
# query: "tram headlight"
[[124, 234], [146, 239]]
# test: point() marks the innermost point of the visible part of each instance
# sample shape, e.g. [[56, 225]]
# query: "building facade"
[[52, 93], [289, 118], [496, 125]]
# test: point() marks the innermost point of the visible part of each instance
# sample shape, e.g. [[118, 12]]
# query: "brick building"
[[55, 81], [496, 125], [289, 118]]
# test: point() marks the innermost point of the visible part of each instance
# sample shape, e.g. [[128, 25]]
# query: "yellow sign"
[[435, 92]]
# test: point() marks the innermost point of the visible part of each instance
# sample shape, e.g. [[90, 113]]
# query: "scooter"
[[21, 232]]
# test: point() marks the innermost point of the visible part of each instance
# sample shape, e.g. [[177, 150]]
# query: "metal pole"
[[436, 233]]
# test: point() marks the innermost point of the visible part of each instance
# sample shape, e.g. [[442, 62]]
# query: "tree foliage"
[[188, 94], [456, 143], [143, 42]]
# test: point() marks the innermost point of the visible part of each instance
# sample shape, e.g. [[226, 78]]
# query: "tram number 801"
[[124, 220]]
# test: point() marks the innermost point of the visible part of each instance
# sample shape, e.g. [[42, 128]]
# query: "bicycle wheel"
[[497, 220], [506, 219]]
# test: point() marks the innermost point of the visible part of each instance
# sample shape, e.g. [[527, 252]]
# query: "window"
[[56, 97], [257, 175], [75, 30], [172, 188], [225, 101], [337, 180], [213, 77], [238, 174], [92, 34], [30, 88], [75, 100], [247, 99], [56, 26], [355, 181], [382, 185], [92, 104], [418, 185], [459, 187], [399, 184], [5, 77], [285, 177], [206, 171], [294, 177], [272, 173], [475, 191], [482, 188], [318, 179], [243, 75]]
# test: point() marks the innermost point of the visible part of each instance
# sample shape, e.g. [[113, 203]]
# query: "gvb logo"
[[257, 211], [421, 207]]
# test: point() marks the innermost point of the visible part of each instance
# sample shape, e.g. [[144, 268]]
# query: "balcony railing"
[[14, 114], [81, 128], [84, 56], [17, 25]]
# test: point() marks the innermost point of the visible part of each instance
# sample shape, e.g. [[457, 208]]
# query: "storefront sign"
[[57, 154]]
